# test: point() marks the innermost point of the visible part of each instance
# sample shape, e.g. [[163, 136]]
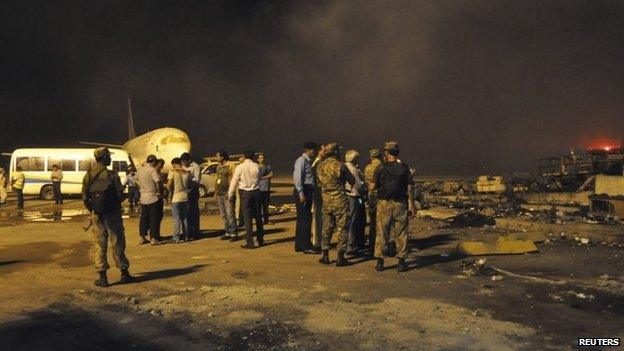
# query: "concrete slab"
[[504, 245]]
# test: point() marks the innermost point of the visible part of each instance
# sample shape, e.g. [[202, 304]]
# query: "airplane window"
[[173, 139]]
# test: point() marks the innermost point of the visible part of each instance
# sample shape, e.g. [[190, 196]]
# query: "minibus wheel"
[[47, 193]]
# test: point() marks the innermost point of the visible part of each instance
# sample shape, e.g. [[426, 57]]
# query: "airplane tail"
[[131, 132]]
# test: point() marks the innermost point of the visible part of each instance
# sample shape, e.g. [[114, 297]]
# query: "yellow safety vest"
[[19, 179]]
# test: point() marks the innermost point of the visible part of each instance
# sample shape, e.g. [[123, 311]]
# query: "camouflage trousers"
[[392, 220], [372, 218], [335, 217], [109, 227]]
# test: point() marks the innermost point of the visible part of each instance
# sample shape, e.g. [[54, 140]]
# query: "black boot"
[[402, 267], [126, 278], [380, 265], [325, 258], [341, 261], [103, 281]]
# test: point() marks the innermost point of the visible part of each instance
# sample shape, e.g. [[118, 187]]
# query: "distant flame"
[[603, 144]]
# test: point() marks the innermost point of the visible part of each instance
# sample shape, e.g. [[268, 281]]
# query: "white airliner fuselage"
[[166, 143]]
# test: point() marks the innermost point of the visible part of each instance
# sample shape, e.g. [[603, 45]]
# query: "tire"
[[47, 193], [203, 192]]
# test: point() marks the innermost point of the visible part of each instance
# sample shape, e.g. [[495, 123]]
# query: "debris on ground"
[[581, 296], [504, 245], [470, 219], [606, 280], [556, 297], [480, 267], [477, 267], [488, 211], [497, 278], [536, 237]]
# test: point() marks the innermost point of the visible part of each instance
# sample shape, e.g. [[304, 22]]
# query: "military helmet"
[[332, 149], [391, 145], [101, 152]]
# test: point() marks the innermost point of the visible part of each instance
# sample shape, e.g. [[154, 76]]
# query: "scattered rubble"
[[470, 219], [606, 280], [477, 267]]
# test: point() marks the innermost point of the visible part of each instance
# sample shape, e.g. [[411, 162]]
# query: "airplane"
[[166, 143]]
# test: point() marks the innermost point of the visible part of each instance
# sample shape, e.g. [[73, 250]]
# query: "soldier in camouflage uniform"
[[102, 195], [369, 172], [332, 176]]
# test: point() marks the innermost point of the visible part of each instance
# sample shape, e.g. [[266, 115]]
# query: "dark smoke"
[[464, 86]]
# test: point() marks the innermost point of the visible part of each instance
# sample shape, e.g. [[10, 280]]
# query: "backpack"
[[102, 201]]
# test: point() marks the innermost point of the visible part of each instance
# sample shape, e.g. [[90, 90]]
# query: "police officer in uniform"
[[102, 194], [332, 176], [369, 171], [395, 203]]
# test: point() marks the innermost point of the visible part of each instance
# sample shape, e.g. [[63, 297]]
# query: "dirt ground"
[[212, 295]]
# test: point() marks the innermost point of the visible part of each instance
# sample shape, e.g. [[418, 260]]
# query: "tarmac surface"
[[210, 294]]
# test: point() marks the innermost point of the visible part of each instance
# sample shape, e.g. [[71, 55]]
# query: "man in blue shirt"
[[266, 173], [303, 193]]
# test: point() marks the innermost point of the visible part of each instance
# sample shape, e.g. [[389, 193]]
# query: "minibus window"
[[23, 163], [54, 161], [37, 164], [85, 165], [31, 164], [120, 166], [69, 165]]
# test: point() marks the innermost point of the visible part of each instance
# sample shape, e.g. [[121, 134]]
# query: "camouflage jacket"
[[332, 175], [369, 170]]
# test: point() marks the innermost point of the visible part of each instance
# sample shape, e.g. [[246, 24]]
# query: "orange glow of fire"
[[603, 144]]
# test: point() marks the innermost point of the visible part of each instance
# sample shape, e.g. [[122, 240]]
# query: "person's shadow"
[[166, 273]]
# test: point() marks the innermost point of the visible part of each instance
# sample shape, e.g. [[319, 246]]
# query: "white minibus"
[[36, 164]]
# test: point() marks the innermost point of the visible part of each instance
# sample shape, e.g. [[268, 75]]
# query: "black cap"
[[151, 159], [185, 157], [310, 145]]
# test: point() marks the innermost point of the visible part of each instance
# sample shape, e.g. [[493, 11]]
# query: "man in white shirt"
[[57, 177], [193, 196], [246, 178], [357, 210], [151, 201]]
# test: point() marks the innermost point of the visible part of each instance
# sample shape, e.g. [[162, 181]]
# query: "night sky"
[[465, 87]]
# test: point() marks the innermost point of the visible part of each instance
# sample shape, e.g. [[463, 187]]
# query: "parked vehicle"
[[209, 177], [37, 165]]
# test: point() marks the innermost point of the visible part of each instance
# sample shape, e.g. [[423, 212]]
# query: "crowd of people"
[[102, 194], [331, 196], [13, 183]]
